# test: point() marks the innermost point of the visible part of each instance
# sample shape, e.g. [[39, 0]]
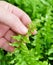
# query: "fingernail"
[[24, 30], [35, 32]]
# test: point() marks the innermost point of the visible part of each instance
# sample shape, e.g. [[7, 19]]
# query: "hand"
[[12, 20]]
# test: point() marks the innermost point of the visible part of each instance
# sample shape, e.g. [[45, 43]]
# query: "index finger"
[[16, 11], [22, 15]]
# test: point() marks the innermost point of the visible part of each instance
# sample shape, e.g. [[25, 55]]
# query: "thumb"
[[12, 21]]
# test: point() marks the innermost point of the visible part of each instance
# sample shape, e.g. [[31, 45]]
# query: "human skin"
[[13, 21]]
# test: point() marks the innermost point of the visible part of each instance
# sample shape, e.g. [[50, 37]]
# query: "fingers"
[[22, 15], [5, 32], [4, 44], [9, 35], [3, 29], [12, 21], [16, 11]]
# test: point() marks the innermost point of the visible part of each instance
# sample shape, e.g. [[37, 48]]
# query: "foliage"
[[33, 49]]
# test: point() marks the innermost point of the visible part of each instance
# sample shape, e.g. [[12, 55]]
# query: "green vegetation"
[[33, 49]]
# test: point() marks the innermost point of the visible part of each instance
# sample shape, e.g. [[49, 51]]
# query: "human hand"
[[13, 21]]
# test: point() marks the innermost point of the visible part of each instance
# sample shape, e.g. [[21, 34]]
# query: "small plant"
[[23, 55], [33, 49]]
